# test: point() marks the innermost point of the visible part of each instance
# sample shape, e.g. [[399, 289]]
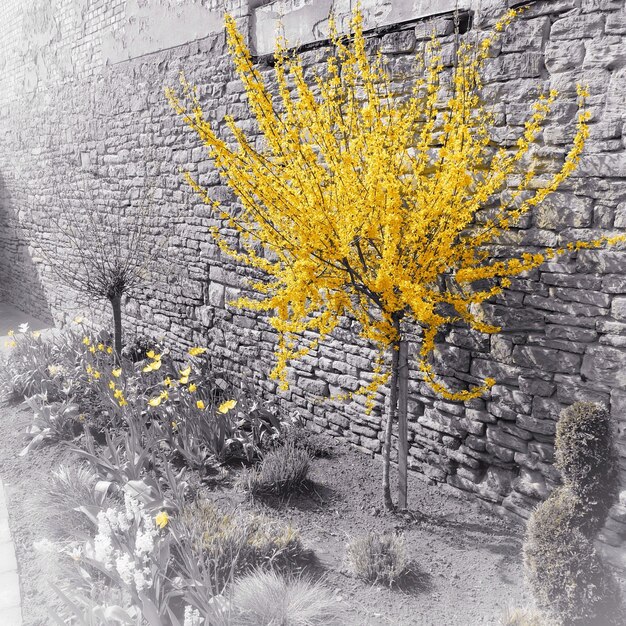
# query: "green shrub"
[[282, 471], [566, 576], [587, 460], [225, 545], [265, 598], [379, 558]]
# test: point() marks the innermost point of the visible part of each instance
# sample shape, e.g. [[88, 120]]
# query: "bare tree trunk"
[[391, 416], [403, 435], [116, 304]]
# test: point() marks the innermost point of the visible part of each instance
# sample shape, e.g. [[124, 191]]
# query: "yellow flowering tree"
[[366, 205]]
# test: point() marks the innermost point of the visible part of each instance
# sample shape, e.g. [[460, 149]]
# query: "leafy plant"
[[379, 558], [282, 471], [217, 546], [56, 421]]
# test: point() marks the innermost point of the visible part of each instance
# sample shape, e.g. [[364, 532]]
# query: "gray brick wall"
[[108, 127]]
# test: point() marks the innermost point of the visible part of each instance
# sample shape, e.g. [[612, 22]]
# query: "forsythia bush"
[[365, 202]]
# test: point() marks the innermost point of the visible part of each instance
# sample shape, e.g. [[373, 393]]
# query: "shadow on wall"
[[20, 283]]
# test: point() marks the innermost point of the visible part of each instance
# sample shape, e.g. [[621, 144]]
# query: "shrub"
[[265, 598], [379, 558], [563, 569], [224, 545], [588, 461], [282, 471]]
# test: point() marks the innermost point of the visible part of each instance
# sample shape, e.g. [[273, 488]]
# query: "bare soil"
[[465, 562]]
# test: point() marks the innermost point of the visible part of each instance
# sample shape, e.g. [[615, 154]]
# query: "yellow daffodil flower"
[[11, 333], [200, 405], [111, 385], [92, 349], [86, 341], [162, 519], [197, 351], [109, 350], [117, 373], [226, 406], [167, 382], [192, 388]]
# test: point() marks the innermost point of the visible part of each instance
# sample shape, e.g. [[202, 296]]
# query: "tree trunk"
[[116, 304], [403, 435], [391, 416]]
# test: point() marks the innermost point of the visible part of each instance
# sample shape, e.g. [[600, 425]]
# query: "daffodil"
[[184, 375], [167, 382], [151, 354], [86, 341], [36, 334], [226, 406], [111, 385], [197, 351], [109, 350], [11, 333], [117, 372], [200, 405], [162, 519], [152, 367], [101, 347], [155, 401], [192, 387], [92, 349], [96, 374], [78, 320]]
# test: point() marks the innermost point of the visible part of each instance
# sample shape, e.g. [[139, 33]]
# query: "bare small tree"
[[102, 249]]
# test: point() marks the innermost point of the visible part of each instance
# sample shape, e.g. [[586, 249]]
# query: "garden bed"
[[465, 563]]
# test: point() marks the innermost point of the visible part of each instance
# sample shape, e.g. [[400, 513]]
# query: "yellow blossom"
[[96, 374], [117, 372], [197, 351], [162, 519], [101, 347], [356, 223], [86, 341], [227, 406], [192, 388], [158, 399], [167, 382], [109, 350], [36, 334], [111, 385], [11, 333], [78, 320], [92, 349], [10, 344], [200, 405]]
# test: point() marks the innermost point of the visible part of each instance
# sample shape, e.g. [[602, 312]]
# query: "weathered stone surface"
[[546, 359], [606, 365]]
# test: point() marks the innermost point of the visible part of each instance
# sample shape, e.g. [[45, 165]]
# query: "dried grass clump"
[[378, 558], [281, 472], [266, 598]]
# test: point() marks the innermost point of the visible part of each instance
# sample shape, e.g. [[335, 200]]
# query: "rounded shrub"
[[566, 576], [588, 462]]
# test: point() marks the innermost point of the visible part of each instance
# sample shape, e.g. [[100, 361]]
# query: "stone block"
[[399, 42], [572, 27], [546, 359], [496, 484], [605, 364], [560, 58]]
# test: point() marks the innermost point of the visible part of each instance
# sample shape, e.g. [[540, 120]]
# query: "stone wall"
[[82, 108]]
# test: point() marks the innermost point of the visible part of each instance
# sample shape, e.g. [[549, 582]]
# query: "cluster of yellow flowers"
[[366, 204]]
